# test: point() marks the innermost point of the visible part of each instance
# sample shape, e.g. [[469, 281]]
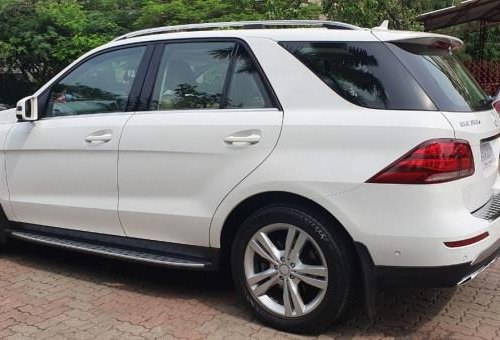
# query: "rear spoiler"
[[430, 39]]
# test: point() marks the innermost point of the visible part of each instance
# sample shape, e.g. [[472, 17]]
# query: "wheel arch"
[[251, 204], [362, 258]]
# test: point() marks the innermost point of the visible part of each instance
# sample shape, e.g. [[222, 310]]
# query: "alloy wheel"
[[286, 270]]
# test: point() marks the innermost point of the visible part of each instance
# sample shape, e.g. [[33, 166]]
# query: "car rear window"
[[448, 83], [367, 74]]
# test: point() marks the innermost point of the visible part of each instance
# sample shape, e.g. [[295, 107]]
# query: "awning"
[[487, 11]]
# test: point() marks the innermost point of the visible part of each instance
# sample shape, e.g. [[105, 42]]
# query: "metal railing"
[[240, 25]]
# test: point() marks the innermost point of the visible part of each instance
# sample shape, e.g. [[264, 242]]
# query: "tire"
[[326, 247]]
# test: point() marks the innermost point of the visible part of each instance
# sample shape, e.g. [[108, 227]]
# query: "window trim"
[[229, 76], [135, 90], [176, 111], [153, 71]]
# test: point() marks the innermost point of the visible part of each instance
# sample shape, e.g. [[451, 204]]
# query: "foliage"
[[371, 13], [470, 34], [401, 14], [175, 12], [38, 38]]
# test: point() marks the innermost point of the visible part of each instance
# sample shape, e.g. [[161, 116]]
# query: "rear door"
[[464, 104], [210, 121]]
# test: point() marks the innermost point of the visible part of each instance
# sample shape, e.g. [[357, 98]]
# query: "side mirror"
[[27, 109]]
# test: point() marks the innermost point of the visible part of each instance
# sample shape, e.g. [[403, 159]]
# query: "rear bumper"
[[409, 226], [426, 277]]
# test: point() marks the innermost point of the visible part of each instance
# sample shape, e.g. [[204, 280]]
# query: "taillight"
[[435, 161]]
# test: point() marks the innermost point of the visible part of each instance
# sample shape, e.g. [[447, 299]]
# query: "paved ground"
[[54, 294]]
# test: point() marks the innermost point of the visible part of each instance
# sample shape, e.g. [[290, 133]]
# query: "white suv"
[[311, 158]]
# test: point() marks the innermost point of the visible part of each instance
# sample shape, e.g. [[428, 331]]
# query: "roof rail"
[[240, 24]]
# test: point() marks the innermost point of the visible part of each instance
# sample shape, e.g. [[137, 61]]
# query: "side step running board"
[[109, 251]]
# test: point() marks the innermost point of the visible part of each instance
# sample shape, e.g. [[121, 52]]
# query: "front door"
[[211, 122], [62, 169]]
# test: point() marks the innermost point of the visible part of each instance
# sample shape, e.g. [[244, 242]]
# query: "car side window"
[[192, 76], [366, 74], [99, 85], [247, 90]]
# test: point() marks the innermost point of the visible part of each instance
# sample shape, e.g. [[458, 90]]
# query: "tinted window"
[[192, 76], [364, 73], [100, 85], [246, 88], [447, 82]]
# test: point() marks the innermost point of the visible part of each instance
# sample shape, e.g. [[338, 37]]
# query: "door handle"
[[99, 139], [249, 137]]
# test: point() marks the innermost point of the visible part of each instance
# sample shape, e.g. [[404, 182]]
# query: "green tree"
[[174, 12], [38, 38], [371, 13]]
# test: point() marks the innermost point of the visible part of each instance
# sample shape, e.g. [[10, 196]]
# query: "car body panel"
[[57, 179], [7, 120], [476, 127], [175, 168]]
